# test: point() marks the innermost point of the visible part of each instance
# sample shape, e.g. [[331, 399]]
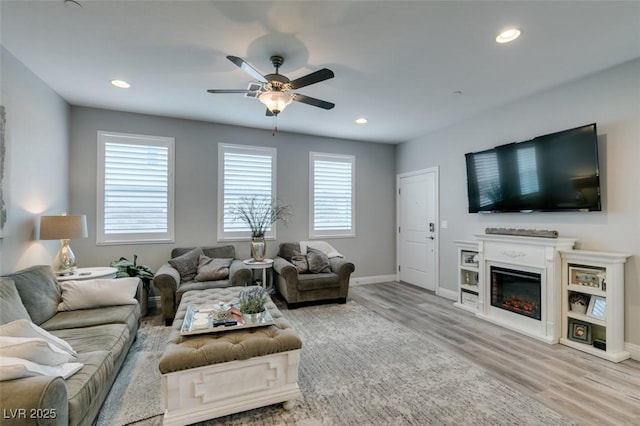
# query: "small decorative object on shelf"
[[578, 302], [597, 308]]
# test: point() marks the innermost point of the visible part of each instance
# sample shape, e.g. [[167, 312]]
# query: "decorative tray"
[[199, 320]]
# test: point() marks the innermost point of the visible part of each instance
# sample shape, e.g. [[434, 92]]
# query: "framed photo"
[[597, 308], [579, 331]]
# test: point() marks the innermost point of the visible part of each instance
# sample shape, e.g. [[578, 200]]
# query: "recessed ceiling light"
[[121, 84], [361, 120], [508, 35]]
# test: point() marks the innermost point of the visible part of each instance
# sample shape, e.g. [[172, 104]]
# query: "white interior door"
[[417, 228]]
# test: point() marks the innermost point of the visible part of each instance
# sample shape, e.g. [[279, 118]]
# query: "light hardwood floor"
[[585, 388]]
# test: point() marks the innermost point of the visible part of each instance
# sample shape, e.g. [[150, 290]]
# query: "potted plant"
[[252, 301], [259, 213], [127, 268]]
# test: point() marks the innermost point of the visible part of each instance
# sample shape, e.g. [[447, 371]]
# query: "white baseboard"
[[446, 293], [371, 280], [633, 349]]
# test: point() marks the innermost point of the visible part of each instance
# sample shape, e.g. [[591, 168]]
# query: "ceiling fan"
[[275, 90]]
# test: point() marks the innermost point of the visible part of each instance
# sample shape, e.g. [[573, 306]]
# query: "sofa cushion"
[[212, 269], [39, 291], [288, 250], [300, 262], [11, 307], [187, 264], [123, 314], [97, 293], [318, 261]]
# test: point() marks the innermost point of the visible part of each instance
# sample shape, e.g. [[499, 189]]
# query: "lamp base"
[[65, 261]]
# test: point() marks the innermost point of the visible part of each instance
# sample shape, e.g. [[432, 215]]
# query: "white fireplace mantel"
[[531, 254]]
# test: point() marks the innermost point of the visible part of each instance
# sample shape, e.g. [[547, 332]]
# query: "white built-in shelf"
[[468, 276], [598, 279]]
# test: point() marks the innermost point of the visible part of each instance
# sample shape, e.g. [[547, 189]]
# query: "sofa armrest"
[[286, 278], [239, 273], [39, 400], [167, 281], [343, 268]]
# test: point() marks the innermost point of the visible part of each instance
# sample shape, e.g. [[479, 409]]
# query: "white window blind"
[[135, 188], [332, 195], [243, 171], [488, 178], [528, 170]]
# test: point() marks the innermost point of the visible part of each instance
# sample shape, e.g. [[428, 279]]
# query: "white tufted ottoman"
[[211, 375]]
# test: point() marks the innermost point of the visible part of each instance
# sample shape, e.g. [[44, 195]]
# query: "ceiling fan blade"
[[312, 101], [314, 77], [231, 91], [247, 68], [268, 113]]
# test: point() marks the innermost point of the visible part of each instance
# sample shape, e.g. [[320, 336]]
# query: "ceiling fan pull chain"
[[275, 125]]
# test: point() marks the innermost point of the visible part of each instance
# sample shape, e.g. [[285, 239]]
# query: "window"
[[243, 171], [135, 188], [332, 195]]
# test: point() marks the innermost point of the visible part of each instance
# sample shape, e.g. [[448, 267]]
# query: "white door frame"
[[436, 246]]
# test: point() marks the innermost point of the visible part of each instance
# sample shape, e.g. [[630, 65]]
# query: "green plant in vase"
[[252, 300]]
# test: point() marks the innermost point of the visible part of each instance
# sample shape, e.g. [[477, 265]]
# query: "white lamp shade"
[[63, 227]]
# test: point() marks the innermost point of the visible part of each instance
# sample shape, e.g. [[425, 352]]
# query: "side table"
[[263, 265], [81, 274]]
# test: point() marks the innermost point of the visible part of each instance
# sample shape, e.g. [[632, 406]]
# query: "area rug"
[[356, 368]]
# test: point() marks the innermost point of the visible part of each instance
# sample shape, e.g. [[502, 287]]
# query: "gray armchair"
[[172, 285], [299, 289]]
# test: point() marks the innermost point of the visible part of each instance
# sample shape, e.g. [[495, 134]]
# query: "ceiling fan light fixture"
[[275, 101]]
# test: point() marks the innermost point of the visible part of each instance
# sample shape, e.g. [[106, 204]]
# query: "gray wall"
[[611, 99], [36, 165], [196, 147]]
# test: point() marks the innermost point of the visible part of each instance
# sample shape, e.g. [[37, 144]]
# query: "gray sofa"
[[100, 336], [299, 289], [172, 284]]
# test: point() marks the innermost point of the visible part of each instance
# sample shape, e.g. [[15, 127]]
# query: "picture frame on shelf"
[[580, 331], [470, 258], [597, 308]]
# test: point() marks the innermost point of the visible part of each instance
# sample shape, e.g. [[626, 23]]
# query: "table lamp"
[[64, 228]]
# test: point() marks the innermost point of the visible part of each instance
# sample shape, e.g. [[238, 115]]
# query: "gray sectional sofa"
[[101, 337]]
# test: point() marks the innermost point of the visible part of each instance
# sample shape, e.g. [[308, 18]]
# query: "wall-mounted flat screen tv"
[[555, 172]]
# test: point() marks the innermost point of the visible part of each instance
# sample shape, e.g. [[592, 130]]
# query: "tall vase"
[[258, 248]]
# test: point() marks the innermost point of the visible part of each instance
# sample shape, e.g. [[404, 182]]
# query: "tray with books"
[[199, 320]]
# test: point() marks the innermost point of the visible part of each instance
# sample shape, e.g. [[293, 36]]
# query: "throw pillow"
[[34, 349], [11, 307], [318, 261], [39, 291], [187, 264], [98, 293], [16, 368], [212, 269], [300, 262], [24, 328]]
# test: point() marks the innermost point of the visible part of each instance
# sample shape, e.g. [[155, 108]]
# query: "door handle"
[[431, 237]]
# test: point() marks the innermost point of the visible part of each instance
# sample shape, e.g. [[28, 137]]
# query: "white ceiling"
[[396, 63]]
